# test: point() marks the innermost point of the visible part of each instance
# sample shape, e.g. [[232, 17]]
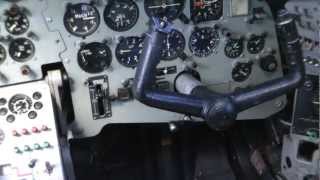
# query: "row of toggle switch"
[[36, 147], [34, 130]]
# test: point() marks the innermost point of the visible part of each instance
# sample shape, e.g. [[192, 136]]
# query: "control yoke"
[[219, 110]]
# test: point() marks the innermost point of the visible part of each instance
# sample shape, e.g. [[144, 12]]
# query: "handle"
[[219, 110]]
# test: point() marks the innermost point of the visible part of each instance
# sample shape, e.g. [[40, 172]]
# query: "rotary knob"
[[269, 63]]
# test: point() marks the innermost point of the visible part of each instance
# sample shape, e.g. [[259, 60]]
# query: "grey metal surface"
[[308, 25], [293, 167], [56, 44], [18, 164]]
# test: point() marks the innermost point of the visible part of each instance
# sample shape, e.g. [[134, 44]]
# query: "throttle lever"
[[219, 110]]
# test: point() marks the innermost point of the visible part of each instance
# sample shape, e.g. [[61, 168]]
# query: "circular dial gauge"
[[94, 57], [2, 136], [173, 45], [203, 41], [81, 19], [206, 10], [242, 71], [164, 9], [256, 44], [21, 49], [17, 23], [234, 48], [121, 15], [20, 104], [3, 54], [128, 51]]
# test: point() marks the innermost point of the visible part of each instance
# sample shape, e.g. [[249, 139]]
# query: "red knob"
[[35, 130]]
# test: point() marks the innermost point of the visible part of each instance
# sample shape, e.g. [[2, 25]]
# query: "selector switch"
[[268, 63]]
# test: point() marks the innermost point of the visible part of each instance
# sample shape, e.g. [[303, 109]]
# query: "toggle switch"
[[25, 131], [35, 130], [15, 133]]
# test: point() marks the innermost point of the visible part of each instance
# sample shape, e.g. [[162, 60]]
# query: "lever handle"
[[219, 110]]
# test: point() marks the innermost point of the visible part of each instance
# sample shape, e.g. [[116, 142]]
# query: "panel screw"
[[279, 104]]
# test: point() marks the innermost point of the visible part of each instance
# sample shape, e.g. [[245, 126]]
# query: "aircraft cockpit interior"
[[159, 89]]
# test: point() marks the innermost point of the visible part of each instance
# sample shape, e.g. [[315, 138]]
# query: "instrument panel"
[[308, 25], [99, 43], [29, 139]]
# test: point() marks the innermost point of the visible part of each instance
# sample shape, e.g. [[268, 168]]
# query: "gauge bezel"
[[250, 41], [21, 32], [110, 23], [229, 43], [179, 53], [237, 67], [123, 40], [212, 49], [167, 18], [83, 35], [11, 50], [15, 98], [92, 45]]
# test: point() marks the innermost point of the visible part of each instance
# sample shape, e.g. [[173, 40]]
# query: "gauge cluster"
[[26, 43], [81, 19], [99, 44]]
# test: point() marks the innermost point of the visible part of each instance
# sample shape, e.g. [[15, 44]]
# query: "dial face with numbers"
[[256, 44], [206, 10], [21, 49], [17, 23], [164, 9], [242, 71], [121, 15], [81, 19], [203, 41], [20, 104], [3, 54], [94, 57], [129, 50], [234, 48], [173, 45]]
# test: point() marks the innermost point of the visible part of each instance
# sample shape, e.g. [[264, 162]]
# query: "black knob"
[[269, 63]]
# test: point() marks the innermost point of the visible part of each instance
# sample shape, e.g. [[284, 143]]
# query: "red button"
[[25, 131], [35, 130]]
